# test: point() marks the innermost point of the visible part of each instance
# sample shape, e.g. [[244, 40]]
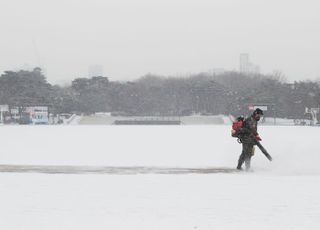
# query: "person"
[[248, 137]]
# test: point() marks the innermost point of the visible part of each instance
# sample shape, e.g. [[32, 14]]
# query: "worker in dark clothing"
[[248, 136]]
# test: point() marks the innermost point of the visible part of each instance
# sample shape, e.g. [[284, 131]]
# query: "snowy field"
[[283, 194]]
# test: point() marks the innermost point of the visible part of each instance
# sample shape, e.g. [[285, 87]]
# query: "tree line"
[[225, 93]]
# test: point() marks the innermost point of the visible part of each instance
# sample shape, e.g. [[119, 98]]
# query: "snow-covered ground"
[[283, 194]]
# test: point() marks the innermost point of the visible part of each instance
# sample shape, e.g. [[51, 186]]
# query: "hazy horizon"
[[129, 39]]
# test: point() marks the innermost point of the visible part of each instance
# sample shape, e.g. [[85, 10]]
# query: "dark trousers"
[[246, 154]]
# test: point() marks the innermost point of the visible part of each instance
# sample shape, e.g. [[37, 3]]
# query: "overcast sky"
[[130, 38]]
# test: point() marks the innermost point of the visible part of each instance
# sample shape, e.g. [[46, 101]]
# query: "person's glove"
[[258, 138]]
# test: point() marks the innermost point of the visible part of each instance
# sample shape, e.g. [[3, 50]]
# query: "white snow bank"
[[73, 120], [294, 149]]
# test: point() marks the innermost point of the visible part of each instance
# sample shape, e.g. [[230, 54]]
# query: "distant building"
[[95, 71], [217, 71], [246, 66], [244, 62]]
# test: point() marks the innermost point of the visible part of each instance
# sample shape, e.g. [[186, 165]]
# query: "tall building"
[[244, 62], [246, 66], [95, 71]]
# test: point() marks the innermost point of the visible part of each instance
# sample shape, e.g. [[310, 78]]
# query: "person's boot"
[[239, 166]]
